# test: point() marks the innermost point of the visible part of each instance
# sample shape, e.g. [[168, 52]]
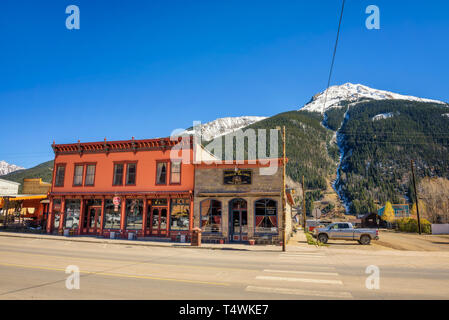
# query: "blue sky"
[[145, 68]]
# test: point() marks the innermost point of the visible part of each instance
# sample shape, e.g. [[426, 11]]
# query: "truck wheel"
[[322, 238], [365, 239]]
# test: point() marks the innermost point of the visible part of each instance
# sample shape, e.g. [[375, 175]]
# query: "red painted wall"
[[145, 174]]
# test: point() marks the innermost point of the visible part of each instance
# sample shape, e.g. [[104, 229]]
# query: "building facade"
[[134, 188], [8, 188], [234, 202]]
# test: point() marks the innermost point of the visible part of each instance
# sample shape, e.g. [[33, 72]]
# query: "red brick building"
[[136, 187]]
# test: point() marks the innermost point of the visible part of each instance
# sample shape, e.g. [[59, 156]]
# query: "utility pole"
[[416, 196], [303, 204], [284, 214]]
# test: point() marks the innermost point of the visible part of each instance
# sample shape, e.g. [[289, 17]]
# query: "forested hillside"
[[306, 142], [377, 153]]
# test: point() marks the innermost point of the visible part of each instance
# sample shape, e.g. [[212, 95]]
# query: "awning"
[[36, 197]]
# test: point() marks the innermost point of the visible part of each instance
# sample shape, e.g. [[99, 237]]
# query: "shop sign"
[[237, 177], [57, 205], [116, 201]]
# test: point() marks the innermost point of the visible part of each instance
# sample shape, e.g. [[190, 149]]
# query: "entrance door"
[[93, 220], [158, 221], [238, 220]]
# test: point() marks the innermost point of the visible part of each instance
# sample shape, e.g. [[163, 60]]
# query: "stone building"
[[35, 186], [236, 202]]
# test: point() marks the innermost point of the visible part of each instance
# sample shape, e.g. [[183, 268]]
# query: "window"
[[72, 213], [134, 214], [211, 216], [90, 175], [78, 175], [118, 174], [60, 173], [266, 216], [175, 172], [161, 173], [180, 212], [131, 173], [111, 215]]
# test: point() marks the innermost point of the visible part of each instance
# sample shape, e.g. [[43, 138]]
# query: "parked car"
[[345, 231]]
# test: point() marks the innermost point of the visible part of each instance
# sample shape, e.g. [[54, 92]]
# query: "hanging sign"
[[116, 201]]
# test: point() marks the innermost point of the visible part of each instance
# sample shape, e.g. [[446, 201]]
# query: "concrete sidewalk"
[[92, 239], [299, 239]]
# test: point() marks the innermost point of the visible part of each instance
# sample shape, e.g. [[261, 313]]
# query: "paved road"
[[35, 269]]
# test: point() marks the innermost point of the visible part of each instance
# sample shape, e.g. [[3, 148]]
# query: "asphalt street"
[[36, 269]]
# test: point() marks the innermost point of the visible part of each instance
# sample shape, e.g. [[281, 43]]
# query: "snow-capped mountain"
[[222, 126], [354, 92], [6, 168]]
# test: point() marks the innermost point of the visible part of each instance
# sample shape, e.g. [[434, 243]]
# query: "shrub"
[[411, 225]]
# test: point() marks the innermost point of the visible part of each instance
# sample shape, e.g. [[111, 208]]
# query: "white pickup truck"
[[345, 231]]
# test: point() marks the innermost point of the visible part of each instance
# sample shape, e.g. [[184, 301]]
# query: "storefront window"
[[180, 212], [111, 215], [211, 216], [72, 213], [266, 216], [134, 214]]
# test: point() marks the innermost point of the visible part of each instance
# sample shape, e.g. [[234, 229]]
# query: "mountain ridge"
[[6, 168], [355, 93]]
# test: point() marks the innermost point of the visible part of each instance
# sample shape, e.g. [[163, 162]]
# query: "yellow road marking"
[[130, 261], [119, 275]]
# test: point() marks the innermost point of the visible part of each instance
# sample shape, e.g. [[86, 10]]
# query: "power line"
[[333, 56]]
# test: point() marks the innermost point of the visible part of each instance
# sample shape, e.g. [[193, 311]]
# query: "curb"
[[128, 243]]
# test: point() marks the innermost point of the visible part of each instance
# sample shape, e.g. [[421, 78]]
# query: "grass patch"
[[311, 240]]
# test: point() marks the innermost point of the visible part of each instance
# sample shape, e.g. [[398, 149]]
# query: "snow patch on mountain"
[[223, 126], [382, 116], [6, 168], [354, 92], [445, 115]]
